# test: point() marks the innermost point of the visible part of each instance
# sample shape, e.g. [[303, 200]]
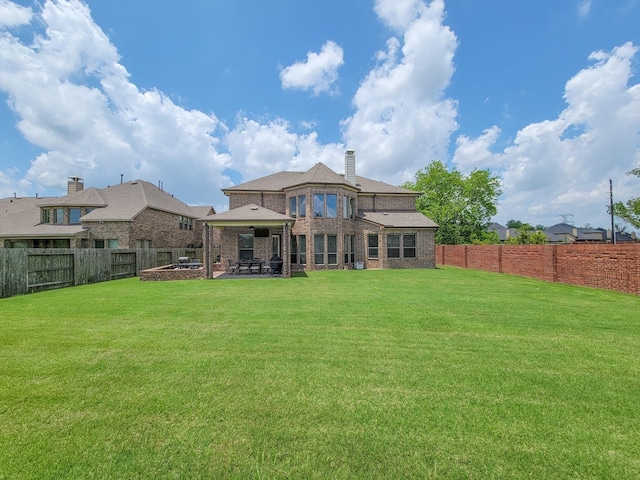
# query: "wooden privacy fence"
[[31, 270]]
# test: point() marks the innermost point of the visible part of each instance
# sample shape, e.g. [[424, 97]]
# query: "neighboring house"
[[503, 232], [134, 214], [319, 219]]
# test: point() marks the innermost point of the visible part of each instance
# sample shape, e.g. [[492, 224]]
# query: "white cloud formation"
[[563, 165], [402, 121], [318, 73], [262, 149], [92, 121], [12, 15]]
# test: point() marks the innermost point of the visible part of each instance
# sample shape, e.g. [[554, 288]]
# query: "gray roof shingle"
[[397, 219], [318, 174]]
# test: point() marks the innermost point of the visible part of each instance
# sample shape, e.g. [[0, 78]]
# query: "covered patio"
[[247, 238]]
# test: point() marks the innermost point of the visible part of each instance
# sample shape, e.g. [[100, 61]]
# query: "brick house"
[[134, 214], [319, 219]]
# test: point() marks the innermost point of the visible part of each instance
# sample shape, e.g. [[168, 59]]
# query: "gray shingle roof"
[[404, 219], [318, 174], [122, 202], [247, 214], [20, 217], [126, 200]]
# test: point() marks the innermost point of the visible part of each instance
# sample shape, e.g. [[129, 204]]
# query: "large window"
[[299, 249], [58, 216], [325, 205], [349, 249], [302, 206], [372, 242], [332, 205], [332, 249], [318, 205], [294, 249], [318, 249], [393, 245], [293, 207], [302, 249], [245, 246], [74, 215], [409, 246]]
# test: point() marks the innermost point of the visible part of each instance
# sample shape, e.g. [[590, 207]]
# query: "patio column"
[[286, 251]]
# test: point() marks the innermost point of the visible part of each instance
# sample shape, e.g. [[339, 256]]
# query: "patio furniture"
[[243, 267], [255, 266], [233, 265], [266, 267]]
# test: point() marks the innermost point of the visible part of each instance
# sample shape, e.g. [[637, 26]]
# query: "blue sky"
[[207, 93]]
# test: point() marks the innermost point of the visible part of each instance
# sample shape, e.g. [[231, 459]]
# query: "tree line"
[[463, 205]]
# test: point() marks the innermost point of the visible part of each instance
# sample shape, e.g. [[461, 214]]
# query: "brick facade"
[[161, 228], [610, 267]]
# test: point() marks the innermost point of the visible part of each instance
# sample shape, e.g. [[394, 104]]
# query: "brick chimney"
[[350, 166], [75, 184]]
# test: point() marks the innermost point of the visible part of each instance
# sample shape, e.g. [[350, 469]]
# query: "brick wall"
[[611, 267]]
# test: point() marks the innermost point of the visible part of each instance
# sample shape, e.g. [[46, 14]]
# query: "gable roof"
[[20, 217], [398, 219], [247, 215], [318, 174], [122, 202]]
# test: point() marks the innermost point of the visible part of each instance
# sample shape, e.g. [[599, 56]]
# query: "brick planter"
[[168, 272]]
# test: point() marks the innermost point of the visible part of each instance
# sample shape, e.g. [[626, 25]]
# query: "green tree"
[[485, 238], [514, 224], [629, 211], [461, 205], [528, 236]]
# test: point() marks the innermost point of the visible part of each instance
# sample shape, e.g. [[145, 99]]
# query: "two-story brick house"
[[134, 214], [319, 219]]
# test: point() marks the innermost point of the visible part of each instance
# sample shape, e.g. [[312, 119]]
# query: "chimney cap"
[[350, 151]]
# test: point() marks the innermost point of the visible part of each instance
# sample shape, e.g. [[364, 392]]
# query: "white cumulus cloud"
[[317, 73], [402, 119], [563, 165], [12, 15], [92, 121]]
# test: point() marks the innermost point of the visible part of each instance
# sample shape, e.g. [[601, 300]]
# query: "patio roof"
[[247, 215]]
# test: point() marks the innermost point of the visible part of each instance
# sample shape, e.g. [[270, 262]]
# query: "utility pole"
[[613, 230]]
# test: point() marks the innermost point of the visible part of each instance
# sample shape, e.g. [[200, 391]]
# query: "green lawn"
[[444, 373]]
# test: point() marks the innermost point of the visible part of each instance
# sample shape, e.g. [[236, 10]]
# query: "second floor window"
[[46, 215], [302, 206], [58, 216], [185, 223], [325, 205], [293, 210], [318, 205], [74, 215]]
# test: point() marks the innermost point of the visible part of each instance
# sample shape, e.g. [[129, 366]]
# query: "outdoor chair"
[[243, 266], [255, 266], [233, 266]]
